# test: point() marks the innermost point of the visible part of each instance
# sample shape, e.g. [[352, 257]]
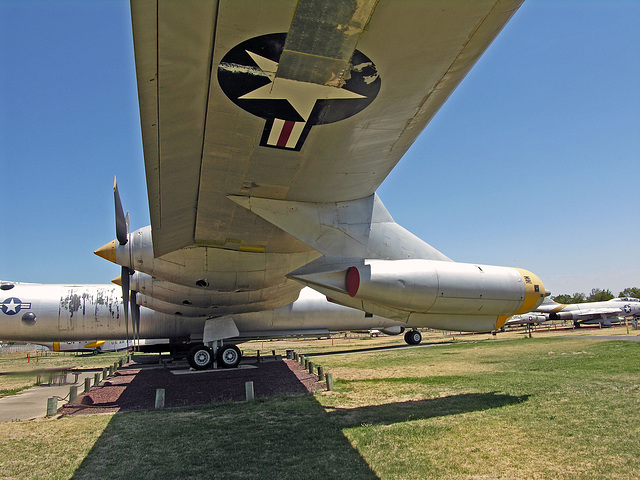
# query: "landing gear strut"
[[413, 337]]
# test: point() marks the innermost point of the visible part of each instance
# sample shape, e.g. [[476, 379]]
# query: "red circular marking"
[[353, 281]]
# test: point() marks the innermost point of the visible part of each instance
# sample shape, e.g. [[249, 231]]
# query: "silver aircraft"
[[531, 318], [44, 314], [603, 313], [266, 133]]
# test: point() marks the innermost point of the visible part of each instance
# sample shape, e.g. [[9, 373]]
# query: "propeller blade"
[[135, 315], [124, 279], [122, 227]]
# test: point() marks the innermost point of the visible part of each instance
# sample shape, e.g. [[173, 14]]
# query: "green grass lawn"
[[528, 408], [17, 372]]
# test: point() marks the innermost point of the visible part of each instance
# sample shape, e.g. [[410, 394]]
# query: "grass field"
[[18, 372], [526, 408]]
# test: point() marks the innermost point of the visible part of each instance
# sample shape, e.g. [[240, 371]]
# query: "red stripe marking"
[[285, 133]]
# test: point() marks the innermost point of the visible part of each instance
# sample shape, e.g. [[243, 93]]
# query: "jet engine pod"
[[444, 287]]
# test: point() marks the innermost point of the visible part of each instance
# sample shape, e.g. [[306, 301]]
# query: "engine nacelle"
[[445, 287]]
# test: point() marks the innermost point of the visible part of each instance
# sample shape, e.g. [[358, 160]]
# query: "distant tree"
[[630, 292], [564, 298], [567, 299], [599, 295], [578, 298]]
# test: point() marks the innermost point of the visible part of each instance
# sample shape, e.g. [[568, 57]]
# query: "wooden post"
[[120, 363], [301, 358], [295, 356], [104, 373], [96, 378], [159, 397], [320, 373], [248, 388], [87, 384], [273, 353], [52, 406], [258, 355], [329, 382], [73, 394], [115, 367], [306, 362], [311, 367]]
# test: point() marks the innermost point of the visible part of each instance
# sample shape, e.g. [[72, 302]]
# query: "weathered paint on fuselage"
[[62, 313]]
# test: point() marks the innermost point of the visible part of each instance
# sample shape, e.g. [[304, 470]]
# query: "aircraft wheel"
[[229, 356], [200, 357], [413, 337]]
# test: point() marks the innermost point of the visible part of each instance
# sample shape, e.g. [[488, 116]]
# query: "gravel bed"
[[134, 386]]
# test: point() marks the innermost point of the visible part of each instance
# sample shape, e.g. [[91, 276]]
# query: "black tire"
[[229, 356], [200, 357], [413, 337]]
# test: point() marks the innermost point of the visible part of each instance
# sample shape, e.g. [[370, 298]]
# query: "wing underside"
[[301, 101]]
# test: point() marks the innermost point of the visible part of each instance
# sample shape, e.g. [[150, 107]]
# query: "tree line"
[[597, 295]]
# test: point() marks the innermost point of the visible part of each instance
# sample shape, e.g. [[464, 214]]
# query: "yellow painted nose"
[[534, 291], [107, 251]]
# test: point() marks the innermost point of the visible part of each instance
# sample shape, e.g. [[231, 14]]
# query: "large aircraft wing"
[[267, 128], [297, 100]]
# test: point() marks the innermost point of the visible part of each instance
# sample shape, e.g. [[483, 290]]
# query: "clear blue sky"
[[533, 162]]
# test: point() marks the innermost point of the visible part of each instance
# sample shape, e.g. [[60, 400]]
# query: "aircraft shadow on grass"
[[397, 412], [205, 441], [378, 349]]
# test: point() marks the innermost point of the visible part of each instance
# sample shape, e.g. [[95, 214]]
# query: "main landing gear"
[[413, 337], [201, 357]]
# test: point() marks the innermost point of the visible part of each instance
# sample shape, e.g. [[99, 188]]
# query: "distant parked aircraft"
[[526, 319], [592, 312]]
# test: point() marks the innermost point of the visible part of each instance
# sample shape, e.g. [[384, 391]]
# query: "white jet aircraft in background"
[[95, 346], [592, 312], [267, 129]]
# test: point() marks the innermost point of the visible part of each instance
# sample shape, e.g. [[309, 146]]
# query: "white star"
[[301, 95], [11, 306]]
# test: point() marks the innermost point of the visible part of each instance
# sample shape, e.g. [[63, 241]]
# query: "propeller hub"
[[107, 251]]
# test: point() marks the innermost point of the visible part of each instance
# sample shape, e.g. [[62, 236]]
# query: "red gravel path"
[[134, 386]]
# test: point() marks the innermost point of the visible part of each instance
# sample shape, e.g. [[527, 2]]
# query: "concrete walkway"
[[32, 403]]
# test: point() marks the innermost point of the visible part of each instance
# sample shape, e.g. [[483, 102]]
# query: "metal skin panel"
[[429, 293], [222, 270], [218, 303], [311, 311], [97, 314], [359, 229], [66, 312], [219, 329], [195, 158]]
